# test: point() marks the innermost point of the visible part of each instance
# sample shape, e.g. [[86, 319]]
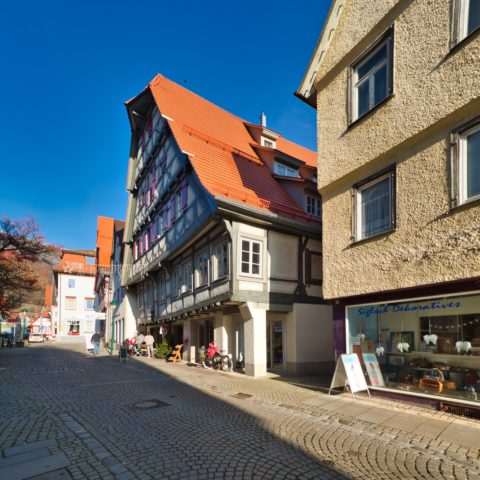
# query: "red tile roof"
[[219, 147]]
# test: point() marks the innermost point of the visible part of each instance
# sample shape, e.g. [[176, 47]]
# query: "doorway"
[[275, 344]]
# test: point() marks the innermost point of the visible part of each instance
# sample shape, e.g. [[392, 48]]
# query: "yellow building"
[[396, 86]]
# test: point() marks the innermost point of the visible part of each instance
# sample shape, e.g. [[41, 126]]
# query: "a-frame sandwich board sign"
[[348, 372]]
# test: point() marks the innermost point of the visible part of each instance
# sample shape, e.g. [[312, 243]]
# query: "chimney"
[[263, 120]]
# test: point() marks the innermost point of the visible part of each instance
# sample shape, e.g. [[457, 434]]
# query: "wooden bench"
[[175, 355]]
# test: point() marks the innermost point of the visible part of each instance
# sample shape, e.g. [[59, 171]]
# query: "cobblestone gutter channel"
[[155, 420]]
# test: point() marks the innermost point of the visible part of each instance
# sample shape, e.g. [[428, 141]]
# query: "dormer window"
[[285, 170], [267, 143]]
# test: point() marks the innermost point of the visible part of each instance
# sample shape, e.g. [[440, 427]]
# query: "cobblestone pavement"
[[67, 415]]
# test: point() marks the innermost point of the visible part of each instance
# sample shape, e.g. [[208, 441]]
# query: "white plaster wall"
[[283, 256], [84, 288]]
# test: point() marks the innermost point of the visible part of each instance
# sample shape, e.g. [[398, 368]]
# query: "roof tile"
[[223, 157]]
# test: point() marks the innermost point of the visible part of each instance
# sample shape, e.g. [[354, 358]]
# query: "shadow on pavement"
[[130, 420]]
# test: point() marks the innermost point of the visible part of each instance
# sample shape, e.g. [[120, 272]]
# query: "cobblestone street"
[[67, 415]]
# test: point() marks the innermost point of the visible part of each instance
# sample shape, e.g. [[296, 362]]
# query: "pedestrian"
[[140, 340], [96, 343], [149, 341]]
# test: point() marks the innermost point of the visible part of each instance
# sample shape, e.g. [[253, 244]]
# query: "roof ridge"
[[159, 76]]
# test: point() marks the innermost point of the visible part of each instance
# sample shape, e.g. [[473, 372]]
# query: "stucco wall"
[[430, 83], [435, 91]]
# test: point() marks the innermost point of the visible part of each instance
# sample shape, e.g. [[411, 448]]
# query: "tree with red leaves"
[[20, 246]]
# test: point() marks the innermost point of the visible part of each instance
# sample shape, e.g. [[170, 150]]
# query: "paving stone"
[[55, 475], [376, 415], [404, 421], [34, 467], [28, 447], [462, 434], [281, 431], [23, 457]]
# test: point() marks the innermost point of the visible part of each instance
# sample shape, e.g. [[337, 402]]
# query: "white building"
[[73, 315]]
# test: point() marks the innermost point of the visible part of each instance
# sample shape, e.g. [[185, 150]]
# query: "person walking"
[[149, 341], [96, 343]]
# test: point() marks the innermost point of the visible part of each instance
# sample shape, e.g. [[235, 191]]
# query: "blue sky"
[[69, 66]]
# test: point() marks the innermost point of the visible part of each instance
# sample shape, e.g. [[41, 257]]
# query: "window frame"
[[89, 299], [251, 241], [68, 297], [459, 162], [459, 29], [311, 257], [221, 262], [317, 205], [388, 39], [357, 219], [201, 264], [277, 165]]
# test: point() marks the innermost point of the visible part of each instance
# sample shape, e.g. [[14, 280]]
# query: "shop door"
[[275, 345]]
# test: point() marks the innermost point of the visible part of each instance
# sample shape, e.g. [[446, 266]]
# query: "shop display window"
[[426, 346]]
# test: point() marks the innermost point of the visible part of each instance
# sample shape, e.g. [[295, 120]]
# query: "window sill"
[[366, 115], [463, 42], [372, 237], [475, 201], [219, 280]]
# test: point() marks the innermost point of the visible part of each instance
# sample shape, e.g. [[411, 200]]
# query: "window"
[[162, 287], [468, 165], [145, 242], [90, 260], [201, 269], [178, 204], [73, 327], [372, 78], [250, 263], [71, 283], [285, 170], [466, 19], [314, 206], [182, 278], [267, 143], [186, 277], [176, 281], [220, 258], [70, 303], [151, 233], [375, 206], [89, 303], [313, 272], [135, 250]]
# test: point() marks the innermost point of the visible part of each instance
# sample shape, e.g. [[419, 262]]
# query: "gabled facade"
[[73, 313], [396, 88], [223, 235]]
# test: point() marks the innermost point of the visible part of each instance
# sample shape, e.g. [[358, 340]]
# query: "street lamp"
[[113, 304]]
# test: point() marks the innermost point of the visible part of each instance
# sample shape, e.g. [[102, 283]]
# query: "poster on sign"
[[348, 372], [373, 370]]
